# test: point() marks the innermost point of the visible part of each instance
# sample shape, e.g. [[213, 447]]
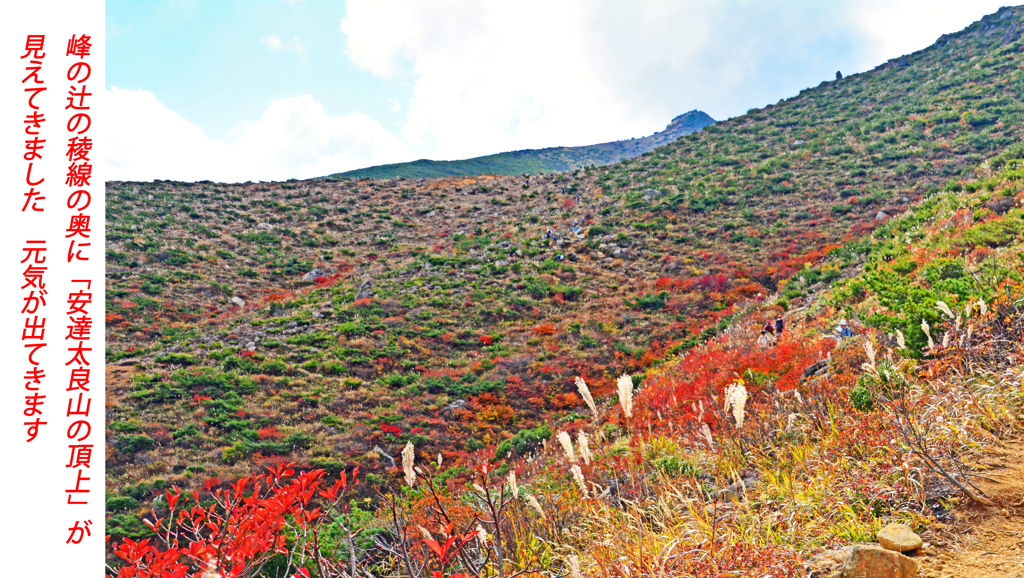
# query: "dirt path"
[[985, 541]]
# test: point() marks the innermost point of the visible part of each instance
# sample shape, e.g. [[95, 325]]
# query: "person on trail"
[[844, 330], [778, 326], [763, 341], [760, 298], [559, 257], [547, 235], [769, 328]]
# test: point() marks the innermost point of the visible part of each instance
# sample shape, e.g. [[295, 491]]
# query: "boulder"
[[238, 301], [1000, 205], [312, 275], [264, 227], [899, 538], [651, 194], [365, 290], [875, 562], [881, 217], [457, 404], [736, 489]]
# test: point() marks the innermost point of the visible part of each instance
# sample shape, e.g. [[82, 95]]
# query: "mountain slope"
[[539, 161], [442, 314]]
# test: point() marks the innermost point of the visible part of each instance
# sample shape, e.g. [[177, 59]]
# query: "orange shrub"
[[544, 329]]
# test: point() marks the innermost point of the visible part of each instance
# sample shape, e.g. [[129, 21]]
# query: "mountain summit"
[[548, 160]]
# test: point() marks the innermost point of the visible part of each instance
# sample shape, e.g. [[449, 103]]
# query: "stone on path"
[[899, 538]]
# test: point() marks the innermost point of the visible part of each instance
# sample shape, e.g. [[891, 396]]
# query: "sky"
[[260, 90]]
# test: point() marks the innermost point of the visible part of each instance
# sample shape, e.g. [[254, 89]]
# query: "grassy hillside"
[[438, 313], [540, 161]]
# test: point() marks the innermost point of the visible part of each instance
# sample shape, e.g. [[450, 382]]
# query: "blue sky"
[[209, 60], [277, 89]]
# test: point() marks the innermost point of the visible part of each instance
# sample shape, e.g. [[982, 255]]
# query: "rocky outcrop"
[[876, 562]]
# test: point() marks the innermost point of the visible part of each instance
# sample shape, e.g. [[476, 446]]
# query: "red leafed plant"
[[544, 329], [248, 523]]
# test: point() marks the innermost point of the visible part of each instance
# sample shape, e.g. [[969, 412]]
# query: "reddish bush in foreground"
[[247, 525]]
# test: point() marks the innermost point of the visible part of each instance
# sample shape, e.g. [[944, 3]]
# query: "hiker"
[[843, 330], [760, 298], [559, 257], [547, 235], [778, 326], [769, 328], [763, 342]]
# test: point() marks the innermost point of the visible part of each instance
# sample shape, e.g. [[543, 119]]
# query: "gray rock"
[[457, 404], [364, 291], [619, 253], [385, 455], [264, 227], [238, 301], [651, 194], [881, 217], [899, 538], [312, 275], [1000, 205], [737, 488]]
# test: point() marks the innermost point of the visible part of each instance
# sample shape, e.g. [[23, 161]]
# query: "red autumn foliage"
[[270, 432], [705, 372], [248, 523], [544, 329]]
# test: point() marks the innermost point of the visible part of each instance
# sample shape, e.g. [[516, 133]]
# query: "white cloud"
[[295, 2], [493, 75], [294, 138], [898, 27], [272, 42], [275, 44]]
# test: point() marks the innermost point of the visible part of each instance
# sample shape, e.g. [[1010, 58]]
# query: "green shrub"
[[121, 503], [132, 443], [523, 442], [861, 398], [676, 467]]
